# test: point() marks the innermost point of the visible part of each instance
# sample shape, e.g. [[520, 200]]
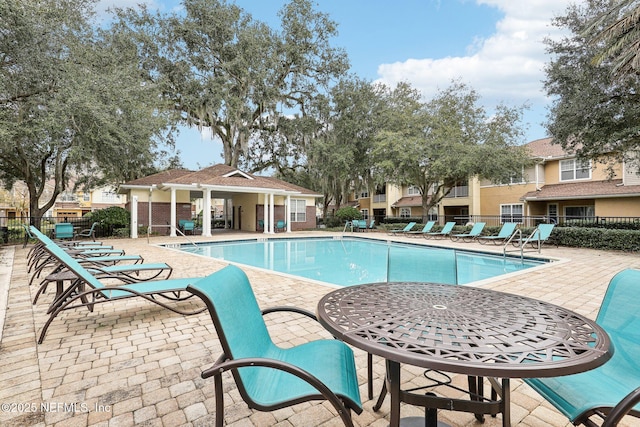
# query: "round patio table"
[[465, 330]]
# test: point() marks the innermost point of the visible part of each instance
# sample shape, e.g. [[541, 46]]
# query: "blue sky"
[[495, 46]]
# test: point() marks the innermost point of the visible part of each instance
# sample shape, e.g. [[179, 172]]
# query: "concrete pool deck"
[[133, 363]]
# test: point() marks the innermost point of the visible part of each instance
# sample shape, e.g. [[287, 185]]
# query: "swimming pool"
[[352, 261]]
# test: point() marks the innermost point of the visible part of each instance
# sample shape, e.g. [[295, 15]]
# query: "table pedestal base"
[[420, 422]]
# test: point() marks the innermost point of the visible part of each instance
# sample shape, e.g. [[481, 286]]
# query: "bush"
[[348, 213], [597, 238], [114, 216]]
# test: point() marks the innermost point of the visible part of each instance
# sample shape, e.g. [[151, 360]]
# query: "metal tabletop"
[[464, 329]]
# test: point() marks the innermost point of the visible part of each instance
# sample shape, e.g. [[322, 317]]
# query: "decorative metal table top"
[[464, 329]]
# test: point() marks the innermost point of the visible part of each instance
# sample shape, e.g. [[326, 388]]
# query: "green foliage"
[[597, 238], [113, 216], [348, 213], [593, 112]]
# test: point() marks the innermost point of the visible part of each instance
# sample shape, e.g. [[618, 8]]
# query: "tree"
[[593, 113], [438, 144], [223, 70], [71, 100], [617, 36]]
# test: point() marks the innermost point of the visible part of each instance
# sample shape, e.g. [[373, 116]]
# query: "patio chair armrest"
[[290, 309], [622, 408], [337, 403]]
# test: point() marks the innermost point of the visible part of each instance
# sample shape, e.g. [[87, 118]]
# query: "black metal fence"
[[12, 229]]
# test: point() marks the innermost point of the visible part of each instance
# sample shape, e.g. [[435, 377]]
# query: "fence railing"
[[620, 222], [12, 228]]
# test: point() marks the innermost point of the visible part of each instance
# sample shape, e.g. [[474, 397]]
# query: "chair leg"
[[217, 381], [370, 375]]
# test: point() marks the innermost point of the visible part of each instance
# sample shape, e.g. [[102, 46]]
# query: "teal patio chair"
[[404, 230], [269, 377], [359, 224], [89, 291], [503, 236], [372, 224], [63, 230], [471, 235], [426, 229], [281, 225], [446, 230], [90, 232], [612, 390]]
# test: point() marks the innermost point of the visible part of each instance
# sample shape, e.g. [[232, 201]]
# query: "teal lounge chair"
[[406, 229], [613, 388], [507, 230], [446, 230], [88, 290], [269, 377], [426, 229], [537, 238], [372, 224], [281, 225], [471, 235], [359, 225]]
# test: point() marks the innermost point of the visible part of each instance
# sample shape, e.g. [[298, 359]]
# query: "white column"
[[265, 214], [173, 213], [287, 213], [272, 213], [134, 217], [206, 213]]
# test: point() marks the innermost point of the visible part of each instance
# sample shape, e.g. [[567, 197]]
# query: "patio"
[[133, 363]]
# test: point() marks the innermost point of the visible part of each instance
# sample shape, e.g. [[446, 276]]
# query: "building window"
[[86, 197], [405, 212], [364, 213], [574, 169], [579, 212], [68, 197], [298, 210], [515, 178], [413, 191], [511, 213]]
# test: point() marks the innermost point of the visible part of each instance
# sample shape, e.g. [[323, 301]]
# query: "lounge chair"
[[612, 390], [471, 235], [188, 226], [88, 290], [446, 230], [281, 225], [372, 224], [503, 236], [359, 224], [277, 377], [404, 230], [426, 229], [90, 232], [537, 238]]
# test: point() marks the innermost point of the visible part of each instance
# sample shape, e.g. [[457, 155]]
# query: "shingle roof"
[[544, 148], [579, 190], [222, 175], [408, 201]]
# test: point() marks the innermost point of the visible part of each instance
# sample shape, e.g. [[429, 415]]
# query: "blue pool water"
[[352, 261]]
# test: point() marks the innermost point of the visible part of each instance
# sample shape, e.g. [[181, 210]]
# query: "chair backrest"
[[448, 227], [409, 226], [620, 310], [428, 226], [477, 228], [372, 223], [545, 231], [66, 259], [189, 225], [236, 317], [507, 229], [280, 224], [63, 230]]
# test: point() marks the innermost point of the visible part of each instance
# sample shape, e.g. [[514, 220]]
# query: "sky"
[[494, 46]]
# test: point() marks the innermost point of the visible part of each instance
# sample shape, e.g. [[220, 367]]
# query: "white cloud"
[[507, 66]]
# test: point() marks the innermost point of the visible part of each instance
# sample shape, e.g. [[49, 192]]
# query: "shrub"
[[348, 213]]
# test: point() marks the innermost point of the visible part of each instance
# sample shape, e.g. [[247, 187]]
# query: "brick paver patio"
[[133, 363]]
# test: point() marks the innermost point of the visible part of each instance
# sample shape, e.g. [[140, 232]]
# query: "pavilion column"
[[173, 213], [272, 209], [265, 214], [206, 213], [287, 213]]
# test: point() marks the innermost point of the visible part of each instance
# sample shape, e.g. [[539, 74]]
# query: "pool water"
[[352, 261]]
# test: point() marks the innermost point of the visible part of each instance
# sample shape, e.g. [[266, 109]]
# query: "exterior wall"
[[621, 206], [160, 214], [598, 172], [279, 213], [631, 176], [492, 197], [244, 212]]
